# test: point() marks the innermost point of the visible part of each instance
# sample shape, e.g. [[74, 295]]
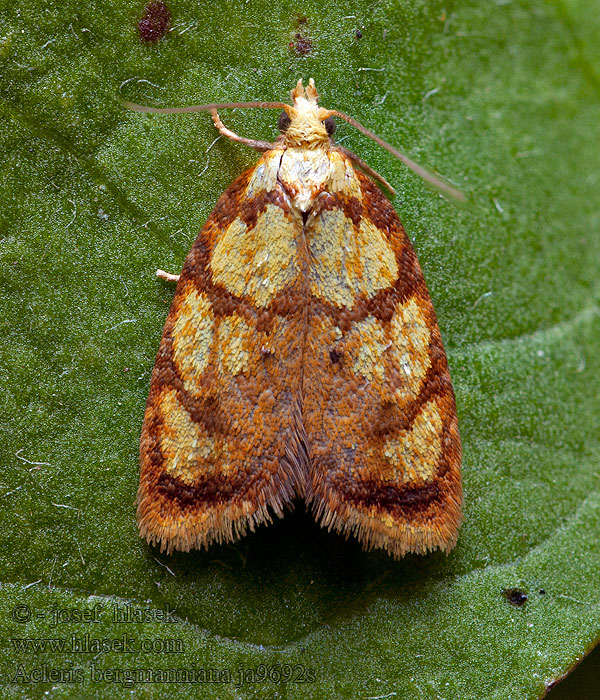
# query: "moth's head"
[[304, 123]]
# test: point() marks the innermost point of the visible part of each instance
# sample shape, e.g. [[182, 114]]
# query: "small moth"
[[301, 358]]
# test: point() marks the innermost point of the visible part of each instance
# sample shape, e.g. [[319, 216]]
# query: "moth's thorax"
[[304, 173]]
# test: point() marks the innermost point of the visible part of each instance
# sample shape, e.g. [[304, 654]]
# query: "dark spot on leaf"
[[301, 44], [515, 596], [155, 23]]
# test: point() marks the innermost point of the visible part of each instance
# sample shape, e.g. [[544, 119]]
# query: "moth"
[[301, 358]]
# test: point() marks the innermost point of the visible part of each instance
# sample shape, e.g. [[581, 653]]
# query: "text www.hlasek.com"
[[86, 644]]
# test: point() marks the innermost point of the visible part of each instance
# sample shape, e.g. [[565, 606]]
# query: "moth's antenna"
[[434, 180], [204, 108]]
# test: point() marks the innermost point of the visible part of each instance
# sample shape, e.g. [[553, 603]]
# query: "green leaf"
[[502, 98]]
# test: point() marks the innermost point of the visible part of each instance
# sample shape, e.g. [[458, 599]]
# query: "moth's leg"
[[365, 168], [167, 276], [253, 143]]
